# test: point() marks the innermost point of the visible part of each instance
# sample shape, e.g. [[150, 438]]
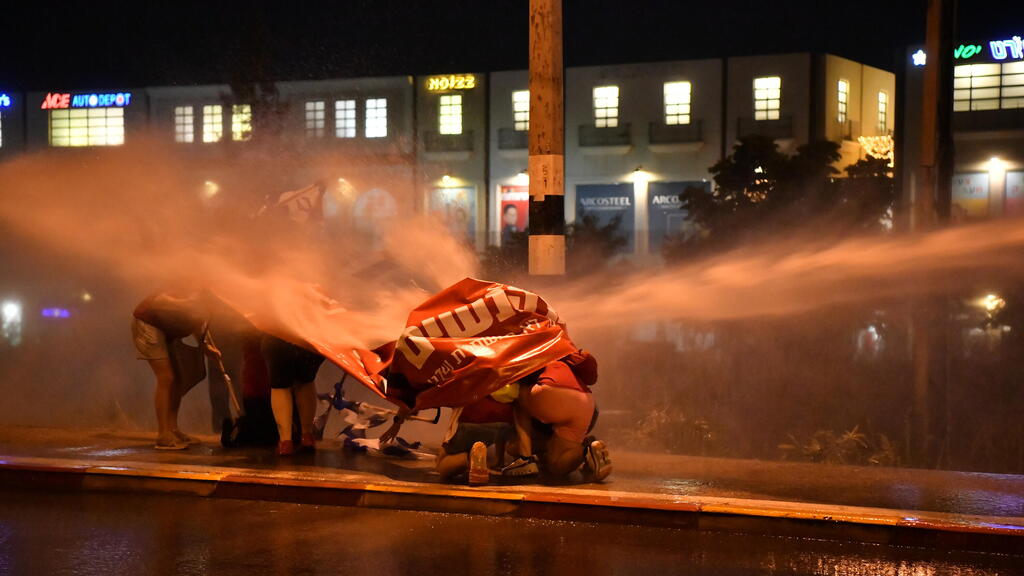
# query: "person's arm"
[[205, 340], [391, 433]]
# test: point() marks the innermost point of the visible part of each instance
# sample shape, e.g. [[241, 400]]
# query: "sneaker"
[[597, 463], [521, 466], [285, 448], [182, 437], [170, 443], [478, 472]]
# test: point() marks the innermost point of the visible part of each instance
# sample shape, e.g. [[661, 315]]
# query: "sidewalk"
[[892, 506]]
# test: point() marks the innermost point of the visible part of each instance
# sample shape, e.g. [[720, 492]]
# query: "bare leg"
[[524, 427], [166, 400], [450, 465], [281, 404], [563, 456], [305, 399]]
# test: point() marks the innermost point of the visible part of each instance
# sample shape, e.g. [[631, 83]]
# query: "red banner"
[[470, 340], [458, 346]]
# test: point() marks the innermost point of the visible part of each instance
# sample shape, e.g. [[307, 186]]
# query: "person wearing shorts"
[[292, 370], [557, 398], [157, 321]]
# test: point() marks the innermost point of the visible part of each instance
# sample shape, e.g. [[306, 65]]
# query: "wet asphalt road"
[[55, 533]]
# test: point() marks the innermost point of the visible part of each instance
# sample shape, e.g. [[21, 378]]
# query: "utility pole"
[[930, 207], [547, 140]]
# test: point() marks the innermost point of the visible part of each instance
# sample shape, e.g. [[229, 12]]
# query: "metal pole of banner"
[[547, 140]]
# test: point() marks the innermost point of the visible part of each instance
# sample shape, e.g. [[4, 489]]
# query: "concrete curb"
[[849, 523]]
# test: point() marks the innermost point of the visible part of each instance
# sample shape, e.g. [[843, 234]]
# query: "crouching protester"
[[554, 415], [486, 422], [159, 324]]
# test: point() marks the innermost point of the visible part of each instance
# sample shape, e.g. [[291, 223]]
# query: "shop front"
[[82, 119]]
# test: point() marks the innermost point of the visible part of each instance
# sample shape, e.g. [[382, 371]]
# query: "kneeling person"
[[558, 397]]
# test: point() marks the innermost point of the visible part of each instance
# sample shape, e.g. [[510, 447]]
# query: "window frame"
[[315, 118], [450, 114], [184, 124], [521, 110], [375, 114], [677, 108], [606, 101], [771, 96], [241, 122], [213, 123], [883, 112], [843, 101], [80, 124], [346, 118]]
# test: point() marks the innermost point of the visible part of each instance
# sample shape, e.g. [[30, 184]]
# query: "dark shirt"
[[171, 317]]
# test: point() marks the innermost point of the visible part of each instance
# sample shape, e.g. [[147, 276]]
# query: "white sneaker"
[[597, 463]]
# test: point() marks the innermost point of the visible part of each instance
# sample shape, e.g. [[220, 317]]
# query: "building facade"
[[987, 124], [455, 145]]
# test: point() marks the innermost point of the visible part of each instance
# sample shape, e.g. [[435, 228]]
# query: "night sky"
[[92, 45]]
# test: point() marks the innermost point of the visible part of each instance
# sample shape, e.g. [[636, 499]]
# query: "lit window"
[[213, 123], [316, 119], [883, 113], [450, 118], [241, 122], [976, 87], [345, 118], [87, 127], [844, 100], [767, 97], [677, 103], [376, 118], [521, 110], [1012, 86], [184, 124], [606, 106]]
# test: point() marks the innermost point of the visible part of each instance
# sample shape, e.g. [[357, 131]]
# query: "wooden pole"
[[931, 205], [547, 140]]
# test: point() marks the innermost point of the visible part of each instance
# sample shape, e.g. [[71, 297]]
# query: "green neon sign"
[[966, 51]]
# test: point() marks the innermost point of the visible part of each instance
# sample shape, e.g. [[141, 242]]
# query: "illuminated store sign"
[[58, 100], [998, 50], [1013, 46], [5, 101], [451, 82], [967, 51]]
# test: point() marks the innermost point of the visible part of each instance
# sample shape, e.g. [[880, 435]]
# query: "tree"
[[759, 189], [590, 245], [869, 193]]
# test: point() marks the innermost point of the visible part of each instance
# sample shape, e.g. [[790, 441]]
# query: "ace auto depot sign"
[[62, 100]]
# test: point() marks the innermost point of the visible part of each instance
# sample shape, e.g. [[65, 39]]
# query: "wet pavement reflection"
[[671, 475], [93, 533]]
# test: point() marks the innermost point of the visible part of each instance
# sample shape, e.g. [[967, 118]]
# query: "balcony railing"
[[436, 142], [592, 136], [676, 133], [511, 139], [780, 129]]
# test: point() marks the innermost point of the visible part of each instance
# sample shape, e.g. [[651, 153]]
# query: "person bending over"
[[158, 321]]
